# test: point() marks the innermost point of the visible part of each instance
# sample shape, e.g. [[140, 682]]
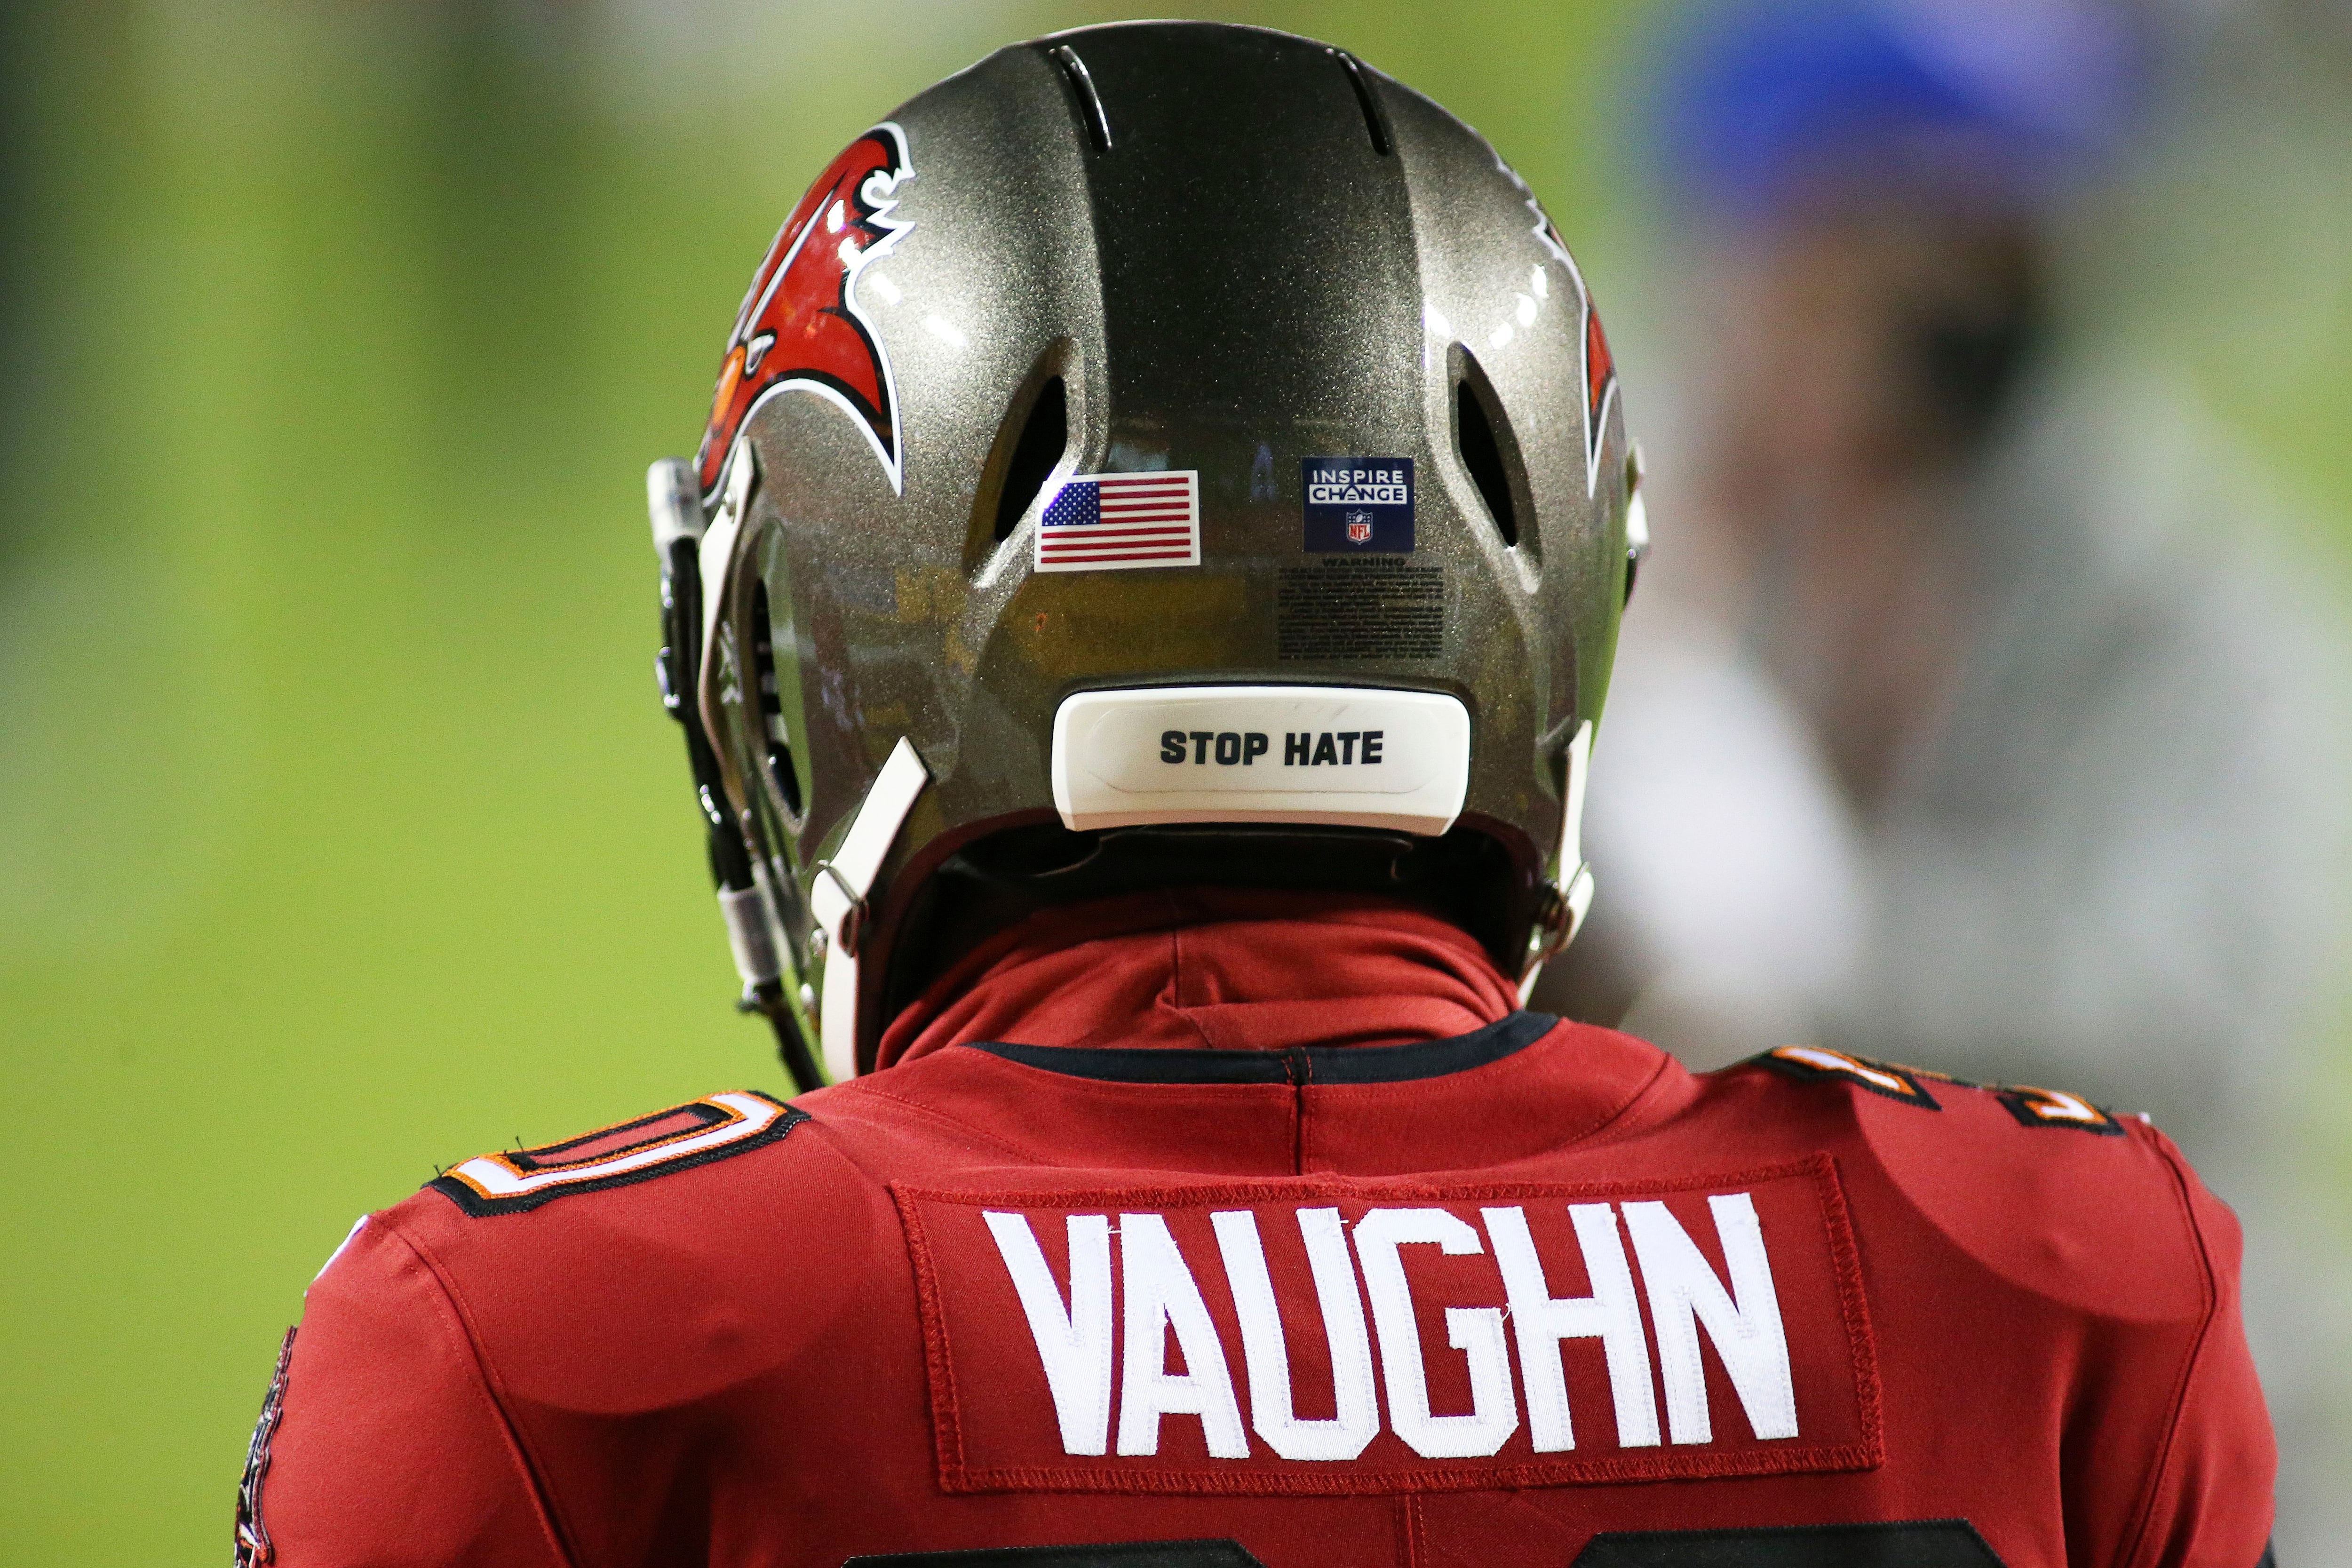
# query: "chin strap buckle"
[[837, 898], [852, 915]]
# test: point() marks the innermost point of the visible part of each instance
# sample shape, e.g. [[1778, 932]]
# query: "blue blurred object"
[[1762, 103]]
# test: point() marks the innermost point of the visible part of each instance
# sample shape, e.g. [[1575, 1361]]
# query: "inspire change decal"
[[1358, 504]]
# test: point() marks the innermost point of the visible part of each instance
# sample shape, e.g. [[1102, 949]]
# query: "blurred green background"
[[341, 835]]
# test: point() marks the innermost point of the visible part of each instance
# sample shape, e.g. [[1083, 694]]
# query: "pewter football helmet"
[[1163, 453]]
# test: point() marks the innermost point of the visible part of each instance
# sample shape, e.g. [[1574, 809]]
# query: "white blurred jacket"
[[2112, 865]]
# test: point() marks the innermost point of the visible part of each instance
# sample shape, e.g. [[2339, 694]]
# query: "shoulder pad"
[[716, 1127]]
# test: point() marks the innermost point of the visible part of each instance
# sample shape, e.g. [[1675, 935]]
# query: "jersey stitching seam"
[[1441, 1186], [2137, 1540], [1824, 1459], [1176, 1002], [938, 1353], [1302, 1073], [918, 1108], [543, 1493], [1607, 1125], [1853, 1305]]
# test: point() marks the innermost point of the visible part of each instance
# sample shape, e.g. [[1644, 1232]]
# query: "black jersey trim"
[[1221, 1553], [1299, 1065], [1904, 1543]]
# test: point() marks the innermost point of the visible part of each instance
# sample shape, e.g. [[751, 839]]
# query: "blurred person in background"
[[1961, 720]]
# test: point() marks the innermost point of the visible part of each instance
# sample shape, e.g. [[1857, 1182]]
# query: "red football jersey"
[[1198, 1230]]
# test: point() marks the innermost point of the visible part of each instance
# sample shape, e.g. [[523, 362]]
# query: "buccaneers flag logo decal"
[[1600, 387], [1600, 365], [802, 327]]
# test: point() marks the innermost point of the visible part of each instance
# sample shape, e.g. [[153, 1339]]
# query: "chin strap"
[[688, 613], [837, 898], [1570, 896]]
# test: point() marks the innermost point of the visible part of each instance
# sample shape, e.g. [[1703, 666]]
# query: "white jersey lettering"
[[1611, 1314], [1158, 1296], [1161, 1296], [1272, 1413], [1476, 1331], [1745, 1323], [1073, 1343]]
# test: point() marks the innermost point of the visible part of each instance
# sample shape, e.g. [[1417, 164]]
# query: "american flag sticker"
[[1111, 523]]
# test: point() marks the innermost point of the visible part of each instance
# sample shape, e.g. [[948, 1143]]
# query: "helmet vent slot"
[[1042, 440], [1090, 107], [1375, 120], [1482, 455], [775, 746]]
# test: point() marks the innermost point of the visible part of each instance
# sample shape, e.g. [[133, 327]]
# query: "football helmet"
[[1163, 453]]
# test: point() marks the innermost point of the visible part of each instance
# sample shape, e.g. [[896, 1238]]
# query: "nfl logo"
[[1360, 527]]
